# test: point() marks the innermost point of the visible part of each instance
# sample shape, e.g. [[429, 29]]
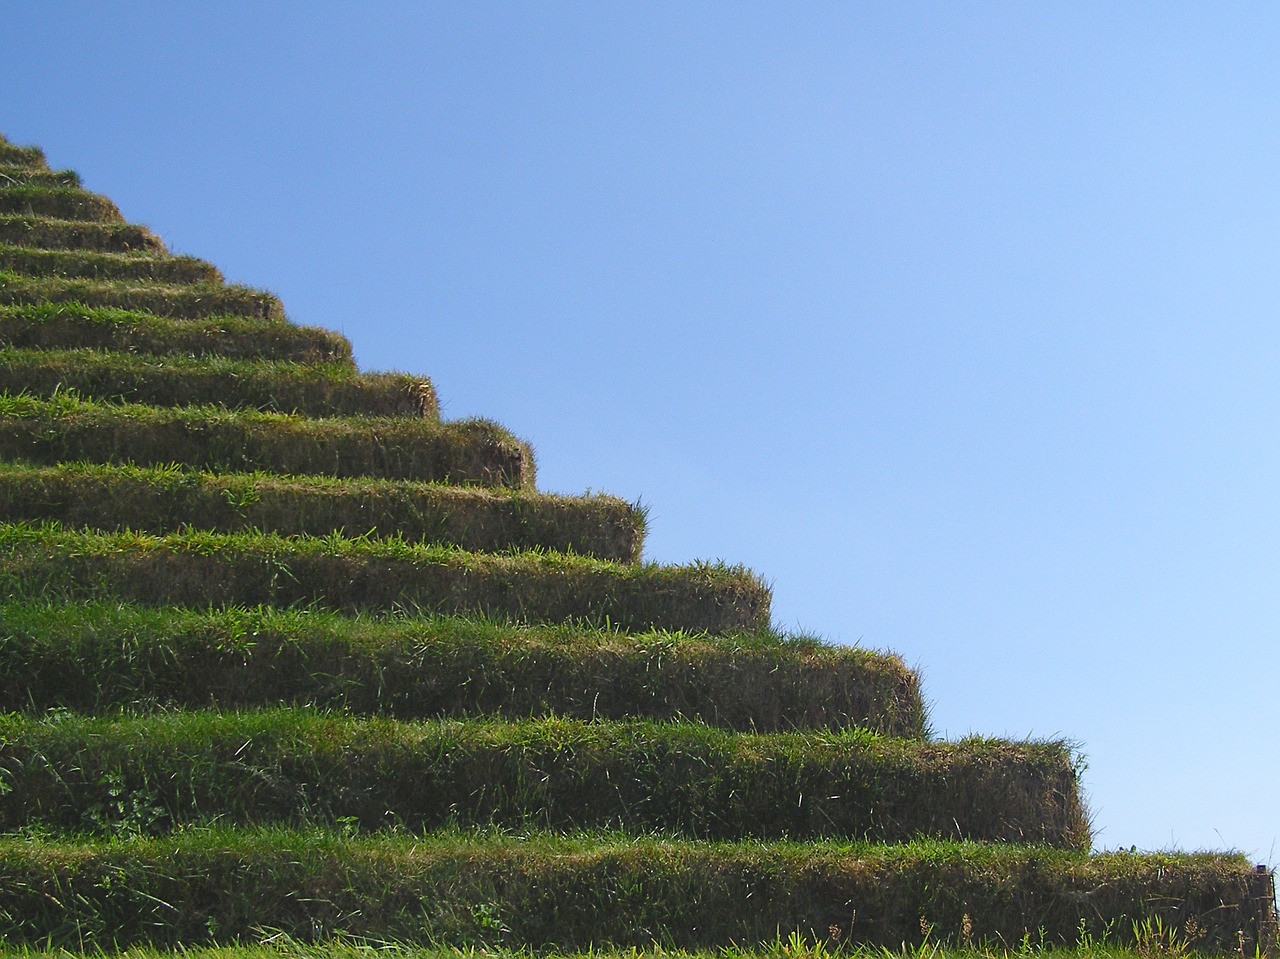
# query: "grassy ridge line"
[[25, 174], [67, 429], [296, 767], [164, 500], [93, 265], [46, 232], [65, 326], [61, 203], [199, 570], [101, 656], [311, 389], [592, 890], [193, 301]]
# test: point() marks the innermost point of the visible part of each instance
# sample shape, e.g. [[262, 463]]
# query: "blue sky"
[[956, 321]]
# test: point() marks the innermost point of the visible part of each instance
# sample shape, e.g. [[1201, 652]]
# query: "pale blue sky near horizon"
[[955, 321]]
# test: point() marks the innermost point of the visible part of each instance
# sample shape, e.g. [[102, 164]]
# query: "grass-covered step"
[[166, 499], [18, 229], [310, 389], [66, 429], [299, 767], [58, 202], [588, 890], [105, 656], [11, 154], [198, 569], [185, 301], [94, 265], [25, 174], [64, 326]]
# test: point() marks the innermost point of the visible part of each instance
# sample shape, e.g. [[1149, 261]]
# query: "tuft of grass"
[[198, 569], [65, 428], [597, 891], [192, 301], [93, 265], [104, 656], [164, 771], [66, 326], [163, 499], [58, 202], [30, 230], [312, 389]]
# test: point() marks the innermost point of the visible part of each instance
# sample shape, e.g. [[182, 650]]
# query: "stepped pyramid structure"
[[282, 651]]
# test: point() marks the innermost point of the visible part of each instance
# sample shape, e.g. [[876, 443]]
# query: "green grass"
[[68, 429], [572, 892], [64, 326], [104, 656], [14, 155], [25, 174], [192, 301], [58, 202], [164, 499], [31, 230], [1157, 943], [93, 265], [298, 767], [310, 389], [198, 569]]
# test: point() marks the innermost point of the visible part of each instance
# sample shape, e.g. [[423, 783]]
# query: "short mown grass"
[[165, 499], [198, 569], [189, 301], [66, 428], [593, 890], [308, 389], [31, 230], [68, 326], [105, 656]]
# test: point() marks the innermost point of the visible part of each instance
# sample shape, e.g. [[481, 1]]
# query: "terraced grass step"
[[193, 301], [296, 767], [199, 570], [590, 891], [64, 326], [15, 155], [103, 656], [93, 265], [164, 500], [26, 174], [67, 429], [27, 230], [59, 203], [310, 389]]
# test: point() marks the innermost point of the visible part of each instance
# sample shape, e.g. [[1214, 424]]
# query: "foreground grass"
[[1155, 945], [572, 892]]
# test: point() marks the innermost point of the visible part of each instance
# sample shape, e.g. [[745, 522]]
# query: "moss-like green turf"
[[58, 202]]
